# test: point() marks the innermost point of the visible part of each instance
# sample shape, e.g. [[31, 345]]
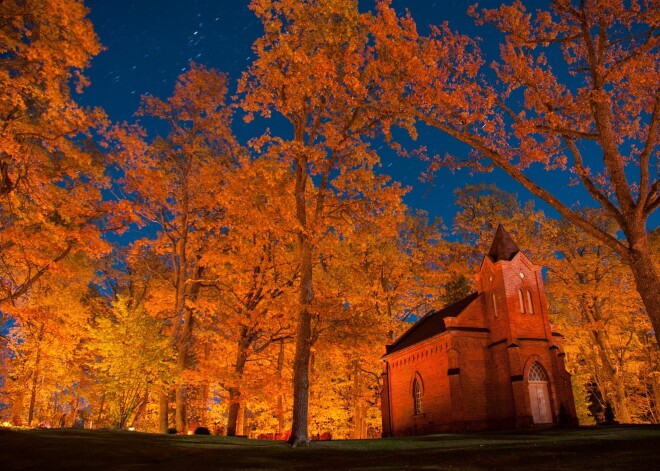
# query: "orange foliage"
[[49, 174]]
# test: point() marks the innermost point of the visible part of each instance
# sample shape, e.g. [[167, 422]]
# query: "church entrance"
[[538, 395]]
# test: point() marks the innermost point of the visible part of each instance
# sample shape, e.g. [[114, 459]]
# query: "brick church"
[[489, 361]]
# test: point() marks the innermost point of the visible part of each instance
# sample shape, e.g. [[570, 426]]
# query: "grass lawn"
[[624, 447]]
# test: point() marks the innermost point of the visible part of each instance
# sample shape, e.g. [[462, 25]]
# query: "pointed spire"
[[503, 248]]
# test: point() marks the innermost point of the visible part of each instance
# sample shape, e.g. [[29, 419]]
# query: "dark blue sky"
[[150, 42]]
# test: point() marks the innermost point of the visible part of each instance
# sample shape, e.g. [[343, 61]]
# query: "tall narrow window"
[[521, 301], [417, 396], [530, 304], [494, 305]]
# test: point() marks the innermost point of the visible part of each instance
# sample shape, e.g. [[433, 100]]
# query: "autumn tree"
[[131, 355], [602, 319], [331, 73], [47, 376], [252, 273], [173, 182], [50, 175], [577, 89]]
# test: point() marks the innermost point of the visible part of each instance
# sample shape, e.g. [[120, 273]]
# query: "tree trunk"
[[622, 411], [646, 280], [280, 385], [234, 391], [140, 410], [74, 410], [234, 409], [99, 416], [240, 422], [35, 378], [17, 409], [180, 409], [613, 375], [655, 384], [33, 396], [205, 393], [357, 409], [299, 433], [183, 347], [184, 343], [163, 410]]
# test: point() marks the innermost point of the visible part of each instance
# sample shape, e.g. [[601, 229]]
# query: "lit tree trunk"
[[140, 410], [234, 409], [35, 377], [75, 403], [17, 409], [163, 410], [280, 385], [622, 411], [299, 433], [180, 395], [614, 375], [357, 409], [99, 415], [646, 279], [184, 340], [33, 397], [181, 350], [653, 360], [206, 392], [234, 414], [240, 421], [655, 384]]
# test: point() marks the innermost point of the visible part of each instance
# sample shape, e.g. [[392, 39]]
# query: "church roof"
[[503, 247], [430, 325]]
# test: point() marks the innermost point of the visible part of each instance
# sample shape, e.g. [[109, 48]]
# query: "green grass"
[[616, 448]]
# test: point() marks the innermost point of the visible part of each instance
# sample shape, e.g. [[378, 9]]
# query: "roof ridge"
[[451, 310]]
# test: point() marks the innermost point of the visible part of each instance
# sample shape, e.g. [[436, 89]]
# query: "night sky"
[[150, 42]]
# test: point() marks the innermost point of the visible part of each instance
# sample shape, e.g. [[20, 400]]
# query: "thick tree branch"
[[645, 156], [499, 160], [34, 278], [589, 184]]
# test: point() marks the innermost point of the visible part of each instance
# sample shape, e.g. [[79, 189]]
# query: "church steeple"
[[503, 247]]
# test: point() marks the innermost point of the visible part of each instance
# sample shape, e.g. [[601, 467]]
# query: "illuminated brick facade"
[[490, 361]]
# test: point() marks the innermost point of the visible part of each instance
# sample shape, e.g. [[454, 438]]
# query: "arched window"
[[521, 301], [537, 373], [494, 305], [530, 304], [417, 396]]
